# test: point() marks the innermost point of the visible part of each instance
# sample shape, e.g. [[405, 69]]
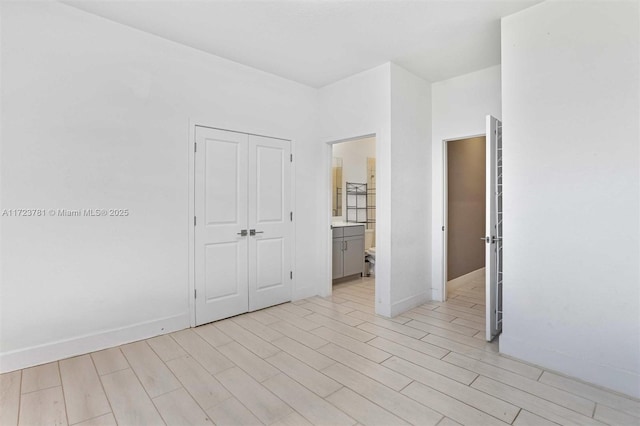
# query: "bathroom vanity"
[[348, 249]]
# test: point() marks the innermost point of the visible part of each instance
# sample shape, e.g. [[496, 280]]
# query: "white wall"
[[354, 156], [395, 105], [410, 190], [571, 109], [357, 106], [459, 108], [96, 115]]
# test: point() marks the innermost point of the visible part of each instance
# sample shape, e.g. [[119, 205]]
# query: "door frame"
[[191, 178], [445, 208], [328, 289]]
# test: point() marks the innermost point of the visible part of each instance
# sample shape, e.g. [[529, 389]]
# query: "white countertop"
[[343, 224]]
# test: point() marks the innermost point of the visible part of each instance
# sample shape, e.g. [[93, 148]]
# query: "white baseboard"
[[409, 303], [463, 279], [626, 382], [41, 354]]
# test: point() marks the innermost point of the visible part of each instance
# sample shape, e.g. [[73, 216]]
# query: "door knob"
[[254, 232], [243, 233]]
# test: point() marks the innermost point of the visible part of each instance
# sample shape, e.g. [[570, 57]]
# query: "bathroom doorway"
[[353, 213]]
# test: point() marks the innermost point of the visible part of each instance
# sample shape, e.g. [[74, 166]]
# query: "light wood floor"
[[316, 361]]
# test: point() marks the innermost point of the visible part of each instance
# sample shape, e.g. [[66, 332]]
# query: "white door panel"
[[221, 278], [493, 253], [269, 222]]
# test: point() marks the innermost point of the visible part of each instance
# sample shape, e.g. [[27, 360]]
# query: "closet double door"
[[243, 223]]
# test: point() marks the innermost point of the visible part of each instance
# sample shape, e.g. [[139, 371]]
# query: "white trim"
[[603, 375], [409, 303], [445, 212], [36, 355]]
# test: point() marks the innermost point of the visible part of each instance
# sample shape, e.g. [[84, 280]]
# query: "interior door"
[[221, 276], [270, 279], [493, 253]]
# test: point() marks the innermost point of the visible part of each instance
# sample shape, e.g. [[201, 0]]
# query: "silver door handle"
[[491, 240], [346, 245], [243, 233], [254, 232]]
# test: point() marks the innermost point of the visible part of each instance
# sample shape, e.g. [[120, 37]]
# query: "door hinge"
[[194, 221], [291, 158], [195, 293], [443, 227], [195, 147], [291, 216], [291, 274]]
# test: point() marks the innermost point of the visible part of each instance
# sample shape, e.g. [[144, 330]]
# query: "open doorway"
[[353, 214], [465, 215]]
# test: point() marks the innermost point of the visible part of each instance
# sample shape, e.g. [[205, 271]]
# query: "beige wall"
[[466, 205]]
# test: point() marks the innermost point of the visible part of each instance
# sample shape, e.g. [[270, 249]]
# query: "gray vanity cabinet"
[[348, 251]]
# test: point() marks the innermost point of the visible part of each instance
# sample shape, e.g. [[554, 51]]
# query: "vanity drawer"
[[338, 232], [351, 231]]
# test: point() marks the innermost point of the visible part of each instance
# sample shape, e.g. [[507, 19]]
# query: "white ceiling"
[[319, 42]]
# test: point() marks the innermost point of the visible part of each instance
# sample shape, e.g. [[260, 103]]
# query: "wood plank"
[[83, 393], [448, 406], [293, 419], [267, 333], [451, 335], [130, 403], [104, 420], [434, 314], [263, 404], [311, 406], [43, 407], [532, 403], [109, 361], [212, 360], [305, 375], [472, 397], [363, 349], [333, 314], [293, 319], [350, 331], [430, 363], [296, 309], [330, 305], [212, 335], [363, 410], [202, 386], [390, 323], [418, 345], [10, 397], [299, 335], [611, 416], [526, 418], [40, 377], [369, 368], [394, 402], [442, 324], [252, 364], [263, 317], [593, 393], [255, 344], [232, 413], [154, 375], [178, 408], [551, 394], [494, 359], [166, 348], [303, 353]]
